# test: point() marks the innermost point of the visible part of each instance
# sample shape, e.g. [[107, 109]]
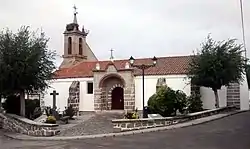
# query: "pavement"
[[232, 132], [109, 133]]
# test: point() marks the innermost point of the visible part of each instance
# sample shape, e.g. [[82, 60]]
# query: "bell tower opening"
[[69, 45], [80, 46]]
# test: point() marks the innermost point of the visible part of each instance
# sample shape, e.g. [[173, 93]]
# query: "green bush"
[[132, 115], [12, 105], [51, 120], [69, 111], [194, 103], [32, 108], [167, 101]]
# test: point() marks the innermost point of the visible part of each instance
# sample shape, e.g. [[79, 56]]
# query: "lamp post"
[[143, 67]]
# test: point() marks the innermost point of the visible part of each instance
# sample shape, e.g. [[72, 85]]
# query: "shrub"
[[32, 108], [132, 115], [181, 101], [12, 104], [69, 111], [48, 111], [167, 101], [51, 120], [194, 103]]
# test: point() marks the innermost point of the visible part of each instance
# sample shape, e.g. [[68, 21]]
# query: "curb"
[[179, 125]]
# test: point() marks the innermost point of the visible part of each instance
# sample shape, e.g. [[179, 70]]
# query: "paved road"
[[228, 133]]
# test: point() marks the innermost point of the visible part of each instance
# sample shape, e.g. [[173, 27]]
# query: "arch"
[[114, 86], [80, 46], [108, 76], [69, 45]]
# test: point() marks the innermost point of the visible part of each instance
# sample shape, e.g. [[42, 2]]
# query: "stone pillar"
[[74, 95], [97, 99], [129, 98], [233, 95]]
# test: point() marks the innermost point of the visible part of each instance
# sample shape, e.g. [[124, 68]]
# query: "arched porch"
[[112, 92]]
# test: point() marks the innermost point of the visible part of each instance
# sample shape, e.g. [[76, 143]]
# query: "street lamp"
[[143, 67]]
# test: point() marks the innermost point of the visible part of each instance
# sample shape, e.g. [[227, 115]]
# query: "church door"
[[117, 99]]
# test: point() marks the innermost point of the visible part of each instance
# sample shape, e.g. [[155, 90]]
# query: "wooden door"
[[117, 99]]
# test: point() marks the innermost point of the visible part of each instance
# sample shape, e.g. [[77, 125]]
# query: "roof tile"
[[164, 66]]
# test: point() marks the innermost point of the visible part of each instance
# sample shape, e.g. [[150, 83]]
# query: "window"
[[90, 87], [69, 45], [80, 46]]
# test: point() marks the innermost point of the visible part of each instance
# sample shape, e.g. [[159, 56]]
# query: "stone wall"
[[120, 125], [74, 94], [17, 124], [233, 95], [102, 95]]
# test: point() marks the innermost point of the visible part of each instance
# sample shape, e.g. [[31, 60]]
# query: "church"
[[92, 85]]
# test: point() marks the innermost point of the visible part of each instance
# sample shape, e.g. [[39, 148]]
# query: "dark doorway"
[[117, 99]]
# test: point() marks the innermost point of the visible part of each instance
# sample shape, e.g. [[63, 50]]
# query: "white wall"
[[176, 82], [86, 100], [208, 98], [62, 87], [244, 94]]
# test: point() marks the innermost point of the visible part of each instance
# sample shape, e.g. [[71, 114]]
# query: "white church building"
[[92, 85]]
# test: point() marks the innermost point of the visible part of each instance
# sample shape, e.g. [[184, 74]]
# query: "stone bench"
[[18, 124], [120, 125]]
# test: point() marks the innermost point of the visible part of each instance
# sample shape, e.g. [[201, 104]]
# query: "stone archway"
[[112, 85]]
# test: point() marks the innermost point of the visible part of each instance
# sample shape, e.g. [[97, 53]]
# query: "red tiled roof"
[[164, 66]]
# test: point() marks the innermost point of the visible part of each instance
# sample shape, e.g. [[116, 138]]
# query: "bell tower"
[[76, 48]]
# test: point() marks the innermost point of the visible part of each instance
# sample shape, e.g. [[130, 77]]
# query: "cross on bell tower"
[[75, 13], [111, 55]]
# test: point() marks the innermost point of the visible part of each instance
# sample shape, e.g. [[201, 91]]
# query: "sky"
[[138, 28]]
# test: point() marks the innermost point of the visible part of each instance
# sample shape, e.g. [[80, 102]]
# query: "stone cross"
[[54, 93], [111, 54]]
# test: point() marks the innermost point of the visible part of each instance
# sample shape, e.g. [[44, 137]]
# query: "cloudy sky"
[[142, 28]]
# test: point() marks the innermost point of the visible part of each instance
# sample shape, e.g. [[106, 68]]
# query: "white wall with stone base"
[[176, 82], [62, 87]]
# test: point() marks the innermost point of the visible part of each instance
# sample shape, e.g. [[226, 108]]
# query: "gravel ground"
[[98, 123]]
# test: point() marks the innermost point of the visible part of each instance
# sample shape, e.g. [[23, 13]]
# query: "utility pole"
[[243, 28]]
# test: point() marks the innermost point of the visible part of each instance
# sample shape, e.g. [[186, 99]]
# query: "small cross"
[[54, 93], [111, 54], [75, 12]]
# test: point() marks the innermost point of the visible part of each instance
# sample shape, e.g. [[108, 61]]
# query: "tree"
[[26, 64], [218, 64]]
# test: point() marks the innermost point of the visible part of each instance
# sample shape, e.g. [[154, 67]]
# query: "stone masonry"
[[106, 80], [120, 125], [17, 124], [233, 95], [74, 94]]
